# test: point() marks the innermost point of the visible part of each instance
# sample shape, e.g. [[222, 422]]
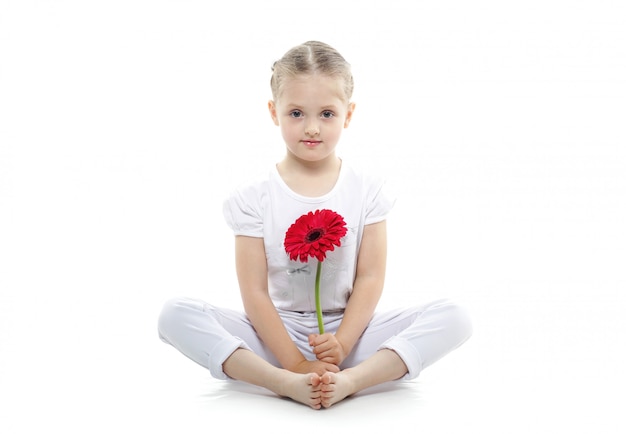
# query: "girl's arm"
[[251, 268], [368, 287]]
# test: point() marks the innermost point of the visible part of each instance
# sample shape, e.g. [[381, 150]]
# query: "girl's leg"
[[208, 335], [246, 366], [224, 341], [398, 344], [419, 335]]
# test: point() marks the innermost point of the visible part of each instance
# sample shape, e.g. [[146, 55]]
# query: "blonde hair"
[[309, 58]]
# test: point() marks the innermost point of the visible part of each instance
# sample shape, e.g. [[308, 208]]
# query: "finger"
[[317, 349], [321, 344], [323, 348], [329, 359], [328, 356]]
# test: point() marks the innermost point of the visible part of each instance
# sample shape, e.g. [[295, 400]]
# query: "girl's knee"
[[170, 315], [458, 319]]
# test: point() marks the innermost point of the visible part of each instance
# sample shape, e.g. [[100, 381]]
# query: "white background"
[[123, 124]]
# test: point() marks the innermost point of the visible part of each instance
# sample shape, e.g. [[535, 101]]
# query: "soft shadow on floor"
[[235, 390], [254, 407]]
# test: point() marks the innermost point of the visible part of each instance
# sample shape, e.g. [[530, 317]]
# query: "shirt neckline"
[[308, 199]]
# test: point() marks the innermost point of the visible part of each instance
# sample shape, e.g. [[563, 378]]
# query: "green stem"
[[318, 304]]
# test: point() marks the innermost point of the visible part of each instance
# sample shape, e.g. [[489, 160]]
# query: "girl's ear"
[[272, 108], [351, 108]]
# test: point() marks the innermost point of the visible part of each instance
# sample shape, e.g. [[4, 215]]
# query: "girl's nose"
[[312, 129]]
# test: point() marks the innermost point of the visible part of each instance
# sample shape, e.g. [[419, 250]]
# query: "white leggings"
[[420, 335]]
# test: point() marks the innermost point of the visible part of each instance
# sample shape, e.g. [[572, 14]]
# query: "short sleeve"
[[380, 202], [243, 213]]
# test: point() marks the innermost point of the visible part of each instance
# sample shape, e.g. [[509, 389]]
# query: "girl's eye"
[[327, 114], [296, 114]]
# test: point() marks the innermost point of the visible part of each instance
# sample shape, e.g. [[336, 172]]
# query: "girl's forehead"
[[322, 85]]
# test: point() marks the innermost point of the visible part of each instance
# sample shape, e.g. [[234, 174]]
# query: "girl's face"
[[311, 112]]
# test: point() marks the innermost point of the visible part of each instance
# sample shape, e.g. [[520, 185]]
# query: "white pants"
[[420, 335]]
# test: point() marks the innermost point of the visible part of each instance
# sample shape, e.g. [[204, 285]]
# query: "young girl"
[[275, 343]]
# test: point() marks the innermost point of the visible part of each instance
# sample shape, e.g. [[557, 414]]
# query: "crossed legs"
[[396, 344]]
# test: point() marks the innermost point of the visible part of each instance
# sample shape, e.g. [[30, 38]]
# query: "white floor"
[[501, 127]]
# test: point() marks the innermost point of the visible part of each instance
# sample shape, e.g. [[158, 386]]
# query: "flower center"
[[314, 235]]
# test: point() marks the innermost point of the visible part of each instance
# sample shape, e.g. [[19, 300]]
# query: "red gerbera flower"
[[314, 234]]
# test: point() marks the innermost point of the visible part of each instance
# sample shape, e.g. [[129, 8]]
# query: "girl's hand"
[[327, 348], [314, 366]]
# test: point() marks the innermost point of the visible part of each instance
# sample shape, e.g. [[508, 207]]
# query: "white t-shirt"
[[267, 207]]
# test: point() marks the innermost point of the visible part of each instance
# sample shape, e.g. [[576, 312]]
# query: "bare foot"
[[304, 388], [335, 387]]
